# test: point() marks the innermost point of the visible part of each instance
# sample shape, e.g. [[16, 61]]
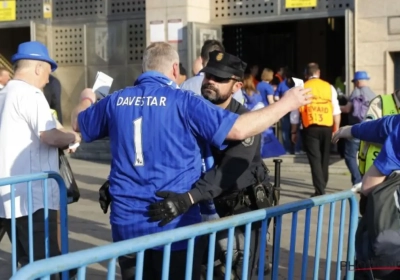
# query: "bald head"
[[312, 70], [163, 58], [34, 72]]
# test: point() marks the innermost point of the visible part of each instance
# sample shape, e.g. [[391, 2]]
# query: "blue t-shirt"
[[154, 130], [251, 101], [281, 89], [265, 90]]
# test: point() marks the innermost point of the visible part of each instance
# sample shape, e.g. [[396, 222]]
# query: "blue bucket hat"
[[34, 51], [360, 75]]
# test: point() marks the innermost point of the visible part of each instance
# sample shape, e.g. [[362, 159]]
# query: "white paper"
[[175, 29], [102, 85], [73, 146], [298, 82], [157, 31]]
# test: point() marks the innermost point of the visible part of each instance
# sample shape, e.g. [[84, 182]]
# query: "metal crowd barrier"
[[44, 268], [28, 179]]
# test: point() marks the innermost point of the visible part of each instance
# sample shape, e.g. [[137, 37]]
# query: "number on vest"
[[137, 141]]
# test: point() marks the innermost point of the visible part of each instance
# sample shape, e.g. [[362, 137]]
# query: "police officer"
[[239, 181]]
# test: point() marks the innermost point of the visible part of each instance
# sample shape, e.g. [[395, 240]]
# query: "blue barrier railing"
[[28, 179], [43, 268]]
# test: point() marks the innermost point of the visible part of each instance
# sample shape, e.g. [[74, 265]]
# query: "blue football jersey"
[[155, 131]]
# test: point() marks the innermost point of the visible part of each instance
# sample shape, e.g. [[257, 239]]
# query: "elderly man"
[[360, 98], [30, 138], [171, 122], [239, 170]]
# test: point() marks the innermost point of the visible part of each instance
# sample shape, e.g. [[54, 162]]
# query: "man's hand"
[[297, 97], [173, 205], [343, 132], [104, 196]]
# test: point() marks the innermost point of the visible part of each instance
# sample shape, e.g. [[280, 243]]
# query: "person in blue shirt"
[[283, 87], [155, 131], [238, 171], [270, 146], [386, 131], [264, 88]]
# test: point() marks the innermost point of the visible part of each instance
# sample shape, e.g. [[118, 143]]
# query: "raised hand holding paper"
[[102, 85]]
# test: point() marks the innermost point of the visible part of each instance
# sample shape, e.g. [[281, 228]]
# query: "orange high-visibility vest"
[[320, 111]]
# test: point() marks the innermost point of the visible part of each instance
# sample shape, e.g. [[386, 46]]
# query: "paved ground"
[[89, 227]]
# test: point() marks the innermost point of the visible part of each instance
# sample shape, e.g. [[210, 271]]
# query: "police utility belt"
[[257, 196]]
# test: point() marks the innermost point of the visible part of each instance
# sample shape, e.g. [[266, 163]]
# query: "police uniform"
[[241, 172], [240, 176], [380, 106]]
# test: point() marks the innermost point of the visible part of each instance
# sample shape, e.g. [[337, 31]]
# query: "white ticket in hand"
[[102, 85], [73, 146], [298, 82]]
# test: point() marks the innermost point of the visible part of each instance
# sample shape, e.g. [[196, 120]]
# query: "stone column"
[[377, 36], [185, 10]]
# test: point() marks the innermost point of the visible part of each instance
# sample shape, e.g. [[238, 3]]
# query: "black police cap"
[[224, 65]]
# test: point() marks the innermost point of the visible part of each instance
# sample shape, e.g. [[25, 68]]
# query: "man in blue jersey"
[[239, 180], [386, 132], [155, 129]]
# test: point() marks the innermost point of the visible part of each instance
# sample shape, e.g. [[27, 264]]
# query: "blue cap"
[[360, 75], [34, 51]]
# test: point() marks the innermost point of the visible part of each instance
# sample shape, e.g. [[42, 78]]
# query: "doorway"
[[396, 61], [11, 38], [291, 43]]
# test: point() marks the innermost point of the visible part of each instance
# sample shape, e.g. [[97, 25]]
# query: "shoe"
[[357, 188]]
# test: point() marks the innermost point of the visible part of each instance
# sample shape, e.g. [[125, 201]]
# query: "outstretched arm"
[[370, 131]]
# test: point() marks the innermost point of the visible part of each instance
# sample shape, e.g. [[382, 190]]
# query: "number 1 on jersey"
[[137, 141]]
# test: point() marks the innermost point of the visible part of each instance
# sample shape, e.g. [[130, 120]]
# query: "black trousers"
[[22, 238], [153, 259], [317, 145]]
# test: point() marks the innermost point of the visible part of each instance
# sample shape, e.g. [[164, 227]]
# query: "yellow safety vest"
[[320, 111], [366, 158]]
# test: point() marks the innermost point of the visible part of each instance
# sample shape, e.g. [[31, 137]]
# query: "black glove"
[[104, 196], [173, 205]]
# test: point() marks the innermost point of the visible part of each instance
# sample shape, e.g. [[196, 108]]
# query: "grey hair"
[[159, 57]]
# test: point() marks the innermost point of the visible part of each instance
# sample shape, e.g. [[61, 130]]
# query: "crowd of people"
[[213, 131]]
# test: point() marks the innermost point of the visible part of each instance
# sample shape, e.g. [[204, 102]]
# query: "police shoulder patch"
[[248, 141]]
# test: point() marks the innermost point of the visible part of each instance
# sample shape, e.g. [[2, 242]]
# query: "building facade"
[[110, 35]]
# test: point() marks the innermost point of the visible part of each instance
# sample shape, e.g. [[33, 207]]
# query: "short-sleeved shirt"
[[281, 89], [155, 132], [368, 95], [24, 114], [265, 89]]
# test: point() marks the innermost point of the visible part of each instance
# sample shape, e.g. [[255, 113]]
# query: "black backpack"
[[378, 232]]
